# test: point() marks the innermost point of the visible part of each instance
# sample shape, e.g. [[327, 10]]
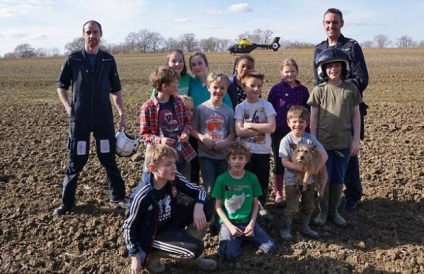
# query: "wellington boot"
[[306, 230], [198, 234], [200, 263], [335, 196], [321, 219], [285, 230], [154, 266], [278, 189]]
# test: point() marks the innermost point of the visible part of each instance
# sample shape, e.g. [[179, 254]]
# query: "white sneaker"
[[118, 204]]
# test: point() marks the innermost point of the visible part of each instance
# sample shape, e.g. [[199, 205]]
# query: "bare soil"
[[385, 234]]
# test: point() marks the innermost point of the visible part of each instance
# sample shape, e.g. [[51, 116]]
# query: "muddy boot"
[[278, 189], [285, 229], [321, 219], [200, 263], [335, 196], [306, 230], [154, 266], [198, 234]]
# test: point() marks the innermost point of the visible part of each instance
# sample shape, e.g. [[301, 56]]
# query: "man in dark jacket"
[[94, 77], [332, 23]]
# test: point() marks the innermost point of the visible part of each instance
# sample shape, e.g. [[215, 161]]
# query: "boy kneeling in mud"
[[157, 226]]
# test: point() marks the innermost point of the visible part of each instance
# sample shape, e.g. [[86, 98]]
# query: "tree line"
[[145, 41]]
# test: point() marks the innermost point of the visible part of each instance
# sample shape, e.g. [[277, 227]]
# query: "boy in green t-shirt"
[[236, 192]]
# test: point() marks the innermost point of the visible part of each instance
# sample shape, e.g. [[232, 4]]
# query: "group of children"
[[232, 130]]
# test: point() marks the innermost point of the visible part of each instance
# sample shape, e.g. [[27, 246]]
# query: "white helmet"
[[126, 145]]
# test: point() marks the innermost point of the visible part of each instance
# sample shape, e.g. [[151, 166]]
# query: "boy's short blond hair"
[[252, 74], [155, 154], [238, 148], [163, 75], [217, 77], [289, 62], [298, 111]]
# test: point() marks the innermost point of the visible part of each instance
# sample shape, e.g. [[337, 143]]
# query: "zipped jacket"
[[140, 226]]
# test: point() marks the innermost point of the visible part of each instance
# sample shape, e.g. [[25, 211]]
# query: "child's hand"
[[354, 147], [247, 125], [209, 144], [167, 141], [183, 138], [301, 169], [220, 145], [235, 231], [249, 231], [135, 264], [199, 218]]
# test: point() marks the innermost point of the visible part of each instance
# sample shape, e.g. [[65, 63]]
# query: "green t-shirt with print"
[[237, 195]]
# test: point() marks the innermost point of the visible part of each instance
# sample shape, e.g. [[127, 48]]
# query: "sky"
[[53, 23]]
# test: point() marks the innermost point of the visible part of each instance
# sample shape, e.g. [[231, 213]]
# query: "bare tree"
[[156, 40], [367, 44], [188, 41], [267, 36], [421, 44], [223, 44], [76, 44], [382, 41], [24, 51], [405, 41], [53, 52], [256, 36], [9, 55], [144, 41], [243, 35], [131, 41], [41, 52], [171, 43], [209, 44]]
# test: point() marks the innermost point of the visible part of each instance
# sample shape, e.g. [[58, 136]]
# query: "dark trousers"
[[173, 239], [260, 166], [76, 163], [353, 183], [353, 191]]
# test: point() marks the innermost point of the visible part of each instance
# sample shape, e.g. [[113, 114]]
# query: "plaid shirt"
[[149, 124]]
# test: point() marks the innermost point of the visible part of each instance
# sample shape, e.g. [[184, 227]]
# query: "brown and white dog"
[[306, 156]]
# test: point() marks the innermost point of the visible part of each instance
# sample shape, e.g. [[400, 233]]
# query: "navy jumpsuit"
[[91, 111]]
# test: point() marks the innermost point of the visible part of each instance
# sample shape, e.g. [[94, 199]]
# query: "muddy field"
[[385, 235]]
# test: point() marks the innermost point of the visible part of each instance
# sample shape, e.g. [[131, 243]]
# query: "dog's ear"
[[313, 147], [293, 146]]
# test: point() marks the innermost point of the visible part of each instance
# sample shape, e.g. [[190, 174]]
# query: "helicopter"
[[246, 46]]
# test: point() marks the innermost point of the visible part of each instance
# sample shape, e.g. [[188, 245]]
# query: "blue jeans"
[[352, 182], [211, 169], [337, 165], [230, 246]]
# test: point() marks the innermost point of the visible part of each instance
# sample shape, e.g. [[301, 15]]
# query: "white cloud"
[[215, 12], [242, 7], [16, 8], [182, 21]]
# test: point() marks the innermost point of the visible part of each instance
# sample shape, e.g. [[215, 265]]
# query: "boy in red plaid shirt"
[[163, 118]]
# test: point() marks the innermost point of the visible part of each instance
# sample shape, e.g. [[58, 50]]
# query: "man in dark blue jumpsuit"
[[333, 22], [94, 77]]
